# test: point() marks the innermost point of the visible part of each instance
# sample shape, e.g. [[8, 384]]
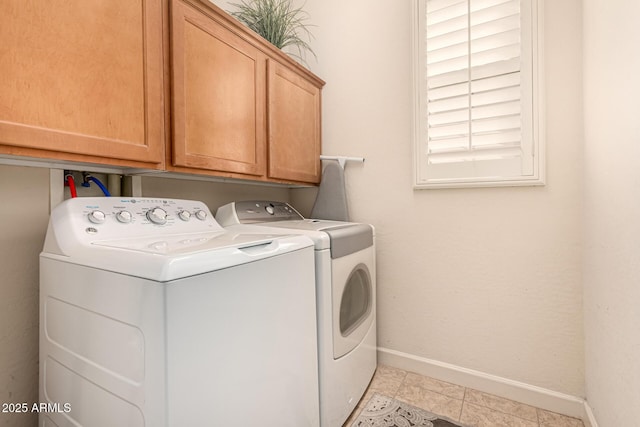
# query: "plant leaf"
[[278, 22]]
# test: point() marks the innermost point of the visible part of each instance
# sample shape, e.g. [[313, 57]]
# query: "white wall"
[[23, 223], [612, 207], [487, 279]]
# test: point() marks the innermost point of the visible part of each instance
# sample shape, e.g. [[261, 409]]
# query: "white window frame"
[[532, 123]]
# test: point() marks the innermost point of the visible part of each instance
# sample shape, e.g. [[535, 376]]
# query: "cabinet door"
[[82, 77], [218, 96], [294, 126]]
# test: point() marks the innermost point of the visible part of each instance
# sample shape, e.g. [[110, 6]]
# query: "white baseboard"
[[588, 418], [529, 394]]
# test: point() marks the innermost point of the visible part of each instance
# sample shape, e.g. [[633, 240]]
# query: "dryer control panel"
[[256, 211]]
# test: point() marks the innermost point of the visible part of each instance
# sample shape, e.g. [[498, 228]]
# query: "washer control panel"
[[123, 217]]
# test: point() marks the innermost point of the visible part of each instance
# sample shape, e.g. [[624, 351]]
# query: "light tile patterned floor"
[[470, 407]]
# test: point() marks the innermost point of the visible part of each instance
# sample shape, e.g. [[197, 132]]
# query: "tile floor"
[[468, 406]]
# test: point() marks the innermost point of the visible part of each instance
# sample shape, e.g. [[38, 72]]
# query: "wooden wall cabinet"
[[240, 106], [294, 125], [83, 81], [175, 85], [218, 95]]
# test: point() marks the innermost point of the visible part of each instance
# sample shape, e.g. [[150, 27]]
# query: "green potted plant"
[[278, 21]]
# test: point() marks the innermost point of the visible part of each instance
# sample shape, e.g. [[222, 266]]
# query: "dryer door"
[[353, 299], [356, 300]]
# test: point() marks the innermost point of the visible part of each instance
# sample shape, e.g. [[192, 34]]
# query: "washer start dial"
[[157, 215]]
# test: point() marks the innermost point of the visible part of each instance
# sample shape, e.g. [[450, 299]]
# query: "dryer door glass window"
[[356, 300]]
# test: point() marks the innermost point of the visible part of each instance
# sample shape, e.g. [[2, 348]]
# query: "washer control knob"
[[184, 215], [157, 215], [97, 217], [124, 217], [201, 215], [270, 209]]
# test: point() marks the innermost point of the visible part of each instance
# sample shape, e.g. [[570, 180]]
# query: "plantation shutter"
[[476, 91]]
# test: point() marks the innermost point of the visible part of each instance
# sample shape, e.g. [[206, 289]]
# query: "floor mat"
[[383, 411]]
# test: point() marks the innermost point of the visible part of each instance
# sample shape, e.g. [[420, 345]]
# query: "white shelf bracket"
[[343, 160]]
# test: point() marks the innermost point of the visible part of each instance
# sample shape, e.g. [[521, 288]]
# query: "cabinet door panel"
[[218, 96], [83, 77], [294, 126]]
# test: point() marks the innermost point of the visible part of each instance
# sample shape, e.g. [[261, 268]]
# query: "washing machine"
[[346, 297], [151, 314]]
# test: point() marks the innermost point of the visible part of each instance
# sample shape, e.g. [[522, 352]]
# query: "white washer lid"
[[174, 257]]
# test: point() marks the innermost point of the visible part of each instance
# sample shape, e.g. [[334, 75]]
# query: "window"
[[477, 118], [356, 300]]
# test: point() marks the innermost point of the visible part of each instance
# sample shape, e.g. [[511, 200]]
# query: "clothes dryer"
[[346, 297], [151, 314]]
